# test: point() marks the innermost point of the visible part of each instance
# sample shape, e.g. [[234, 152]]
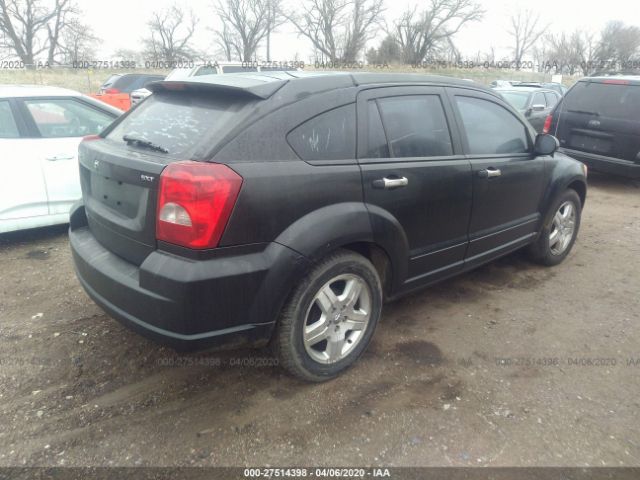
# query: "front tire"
[[559, 231], [330, 317]]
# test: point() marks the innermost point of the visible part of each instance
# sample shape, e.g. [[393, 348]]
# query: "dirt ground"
[[512, 364]]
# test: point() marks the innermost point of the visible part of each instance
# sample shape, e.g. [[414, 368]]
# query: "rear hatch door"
[[120, 171], [603, 118]]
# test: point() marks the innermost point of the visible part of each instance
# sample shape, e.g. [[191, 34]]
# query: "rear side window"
[[606, 100], [8, 127], [187, 125], [376, 140], [416, 126], [328, 136], [552, 99], [490, 128]]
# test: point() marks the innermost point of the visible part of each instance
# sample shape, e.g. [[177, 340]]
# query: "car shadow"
[[33, 234], [611, 183]]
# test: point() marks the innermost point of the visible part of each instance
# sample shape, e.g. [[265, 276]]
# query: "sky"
[[123, 23]]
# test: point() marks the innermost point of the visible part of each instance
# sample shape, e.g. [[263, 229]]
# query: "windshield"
[[517, 99], [184, 124], [602, 99]]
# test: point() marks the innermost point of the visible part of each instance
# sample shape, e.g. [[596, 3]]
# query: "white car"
[[40, 129]]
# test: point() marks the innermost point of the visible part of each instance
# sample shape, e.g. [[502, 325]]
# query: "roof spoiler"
[[257, 87]]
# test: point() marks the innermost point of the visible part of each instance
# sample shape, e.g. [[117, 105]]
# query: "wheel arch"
[[366, 230]]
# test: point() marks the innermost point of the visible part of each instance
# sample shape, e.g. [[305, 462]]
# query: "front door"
[[413, 168], [508, 179], [59, 124]]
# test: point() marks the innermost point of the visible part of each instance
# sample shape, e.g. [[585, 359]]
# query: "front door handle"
[[390, 183], [489, 173], [55, 158]]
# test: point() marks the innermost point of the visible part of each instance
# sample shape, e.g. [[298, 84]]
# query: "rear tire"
[[329, 318], [559, 231]]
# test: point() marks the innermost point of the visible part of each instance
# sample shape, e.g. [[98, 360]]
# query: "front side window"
[[328, 136], [491, 128], [66, 117], [416, 126], [8, 127]]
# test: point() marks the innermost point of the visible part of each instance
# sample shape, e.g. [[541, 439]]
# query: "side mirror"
[[538, 107], [545, 144]]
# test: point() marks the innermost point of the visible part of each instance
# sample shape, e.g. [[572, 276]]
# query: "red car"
[[117, 88]]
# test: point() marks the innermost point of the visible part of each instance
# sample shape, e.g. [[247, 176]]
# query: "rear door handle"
[[390, 183], [55, 158], [489, 173]]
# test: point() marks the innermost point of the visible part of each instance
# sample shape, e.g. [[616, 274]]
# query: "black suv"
[[598, 122], [285, 207]]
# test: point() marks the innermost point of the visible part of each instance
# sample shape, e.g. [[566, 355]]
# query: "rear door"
[[601, 118], [22, 188], [413, 167], [508, 180], [58, 125]]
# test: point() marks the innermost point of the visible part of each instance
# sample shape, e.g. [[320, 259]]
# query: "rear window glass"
[[238, 69], [328, 136], [184, 124], [129, 83], [605, 100], [518, 100]]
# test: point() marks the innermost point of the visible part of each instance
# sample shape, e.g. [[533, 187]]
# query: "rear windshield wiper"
[[585, 112], [144, 143]]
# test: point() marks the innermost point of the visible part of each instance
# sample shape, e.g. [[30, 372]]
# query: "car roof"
[[524, 89], [264, 84], [7, 91], [632, 79]]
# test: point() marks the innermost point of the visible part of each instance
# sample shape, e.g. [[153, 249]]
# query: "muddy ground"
[[512, 364]]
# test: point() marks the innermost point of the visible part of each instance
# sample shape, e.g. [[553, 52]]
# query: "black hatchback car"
[[598, 122], [284, 208]]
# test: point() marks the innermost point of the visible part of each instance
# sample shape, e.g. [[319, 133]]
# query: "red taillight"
[[616, 82], [547, 124], [91, 138], [195, 200], [112, 90]]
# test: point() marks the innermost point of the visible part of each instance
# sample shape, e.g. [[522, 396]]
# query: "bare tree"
[[170, 32], [338, 29], [227, 42], [431, 31], [78, 42], [365, 18], [29, 28], [526, 31], [618, 45], [387, 53], [65, 13], [246, 23]]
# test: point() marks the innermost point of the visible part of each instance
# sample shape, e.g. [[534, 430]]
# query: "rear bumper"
[[232, 298], [604, 164]]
